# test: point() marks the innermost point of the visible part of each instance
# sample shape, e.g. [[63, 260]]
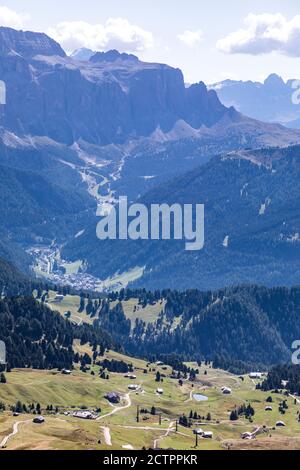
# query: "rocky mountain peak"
[[274, 81], [28, 44], [113, 56]]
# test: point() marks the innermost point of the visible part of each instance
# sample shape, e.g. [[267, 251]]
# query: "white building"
[[133, 387], [255, 375]]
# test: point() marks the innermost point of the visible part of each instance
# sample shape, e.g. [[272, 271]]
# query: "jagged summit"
[[28, 44], [112, 56], [83, 54], [274, 81]]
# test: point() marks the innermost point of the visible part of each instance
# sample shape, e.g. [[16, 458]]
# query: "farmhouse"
[[38, 420], [59, 298], [84, 415], [113, 397], [133, 387], [130, 376], [198, 431], [247, 435], [208, 435], [255, 375], [226, 390]]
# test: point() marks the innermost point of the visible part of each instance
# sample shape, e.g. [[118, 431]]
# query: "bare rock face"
[[112, 98], [113, 56], [27, 43], [108, 99]]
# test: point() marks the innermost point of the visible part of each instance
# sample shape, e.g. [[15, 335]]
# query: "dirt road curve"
[[118, 408], [13, 433]]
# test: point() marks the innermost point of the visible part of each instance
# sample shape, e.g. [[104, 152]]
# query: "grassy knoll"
[[70, 303], [131, 308]]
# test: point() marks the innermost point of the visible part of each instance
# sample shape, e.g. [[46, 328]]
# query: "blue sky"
[[208, 40]]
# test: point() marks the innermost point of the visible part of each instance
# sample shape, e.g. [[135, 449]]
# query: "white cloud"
[[12, 19], [264, 34], [191, 38], [116, 33]]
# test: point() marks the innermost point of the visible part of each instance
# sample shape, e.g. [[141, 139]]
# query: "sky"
[[208, 40]]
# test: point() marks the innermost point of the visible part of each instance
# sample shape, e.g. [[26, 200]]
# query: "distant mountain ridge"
[[270, 101]]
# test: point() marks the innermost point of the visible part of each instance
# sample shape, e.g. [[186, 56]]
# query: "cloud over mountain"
[[116, 33], [264, 34], [11, 18]]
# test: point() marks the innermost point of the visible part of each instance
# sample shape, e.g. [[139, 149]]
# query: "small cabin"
[[198, 431], [247, 435], [226, 390], [113, 397], [160, 391], [83, 415], [38, 420], [133, 387], [255, 375], [268, 408], [66, 372], [208, 435]]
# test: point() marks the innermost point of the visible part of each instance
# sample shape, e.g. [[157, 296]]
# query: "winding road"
[[170, 428], [117, 408], [13, 433]]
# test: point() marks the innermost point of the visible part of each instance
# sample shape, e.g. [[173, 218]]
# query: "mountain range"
[[274, 100], [76, 134]]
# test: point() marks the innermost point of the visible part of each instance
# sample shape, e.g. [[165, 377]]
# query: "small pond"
[[199, 397]]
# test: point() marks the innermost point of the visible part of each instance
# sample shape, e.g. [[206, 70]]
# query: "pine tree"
[[234, 416], [2, 378]]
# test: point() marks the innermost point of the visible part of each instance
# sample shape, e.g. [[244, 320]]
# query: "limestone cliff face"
[[27, 43], [110, 99]]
